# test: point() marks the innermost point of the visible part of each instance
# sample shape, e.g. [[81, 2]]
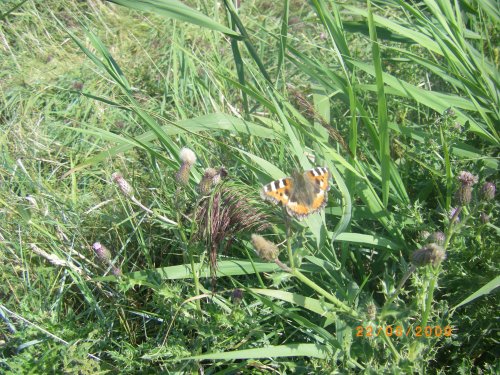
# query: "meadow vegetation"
[[135, 140]]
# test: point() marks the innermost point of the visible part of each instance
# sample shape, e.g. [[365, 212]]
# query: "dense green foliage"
[[120, 253]]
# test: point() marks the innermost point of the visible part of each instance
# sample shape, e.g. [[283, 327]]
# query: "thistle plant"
[[128, 192], [488, 191], [431, 254], [188, 159], [464, 192], [104, 256], [211, 178], [268, 251], [434, 253], [102, 253]]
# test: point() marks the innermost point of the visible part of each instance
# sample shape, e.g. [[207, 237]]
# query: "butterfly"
[[302, 194]]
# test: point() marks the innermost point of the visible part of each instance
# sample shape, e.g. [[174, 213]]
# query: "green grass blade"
[[485, 289], [283, 37], [110, 65], [490, 7], [296, 144], [384, 152], [345, 219], [308, 326], [369, 240], [440, 28], [240, 71], [176, 10], [333, 24], [184, 271], [246, 39], [271, 351], [418, 37]]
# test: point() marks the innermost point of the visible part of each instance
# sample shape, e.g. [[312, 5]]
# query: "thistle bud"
[[211, 178], [102, 253], [467, 178], [485, 218], [188, 158], [464, 192], [237, 295], [124, 186], [221, 174], [464, 195], [488, 191], [264, 248], [371, 311], [431, 254], [438, 238], [207, 181]]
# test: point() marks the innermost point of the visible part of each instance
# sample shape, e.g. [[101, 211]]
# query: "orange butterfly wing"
[[278, 191], [298, 210], [321, 178]]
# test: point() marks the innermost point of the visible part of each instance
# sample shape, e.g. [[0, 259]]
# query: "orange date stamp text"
[[401, 331]]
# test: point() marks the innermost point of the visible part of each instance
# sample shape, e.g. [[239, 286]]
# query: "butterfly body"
[[302, 194]]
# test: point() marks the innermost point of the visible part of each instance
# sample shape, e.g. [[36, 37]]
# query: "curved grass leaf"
[[383, 128], [485, 289], [246, 39], [269, 168], [184, 271], [346, 203], [333, 24], [369, 240], [271, 351], [176, 10], [297, 146], [490, 9]]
